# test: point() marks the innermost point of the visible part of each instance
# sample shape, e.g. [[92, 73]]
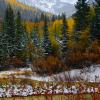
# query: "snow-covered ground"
[[91, 74], [45, 88], [15, 90], [79, 76]]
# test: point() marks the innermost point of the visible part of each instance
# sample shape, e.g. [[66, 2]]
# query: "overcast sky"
[[70, 1]]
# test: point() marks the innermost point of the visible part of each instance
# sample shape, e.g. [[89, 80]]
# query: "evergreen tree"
[[1, 47], [59, 17], [82, 16], [36, 19], [35, 37], [64, 36], [9, 32], [47, 46], [20, 37], [53, 18], [96, 22], [42, 17], [37, 50]]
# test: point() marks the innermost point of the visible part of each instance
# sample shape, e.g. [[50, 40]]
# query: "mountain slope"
[[2, 7], [91, 1], [20, 5], [27, 12], [52, 6]]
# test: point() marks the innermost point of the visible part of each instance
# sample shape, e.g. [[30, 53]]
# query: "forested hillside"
[[27, 12], [54, 43]]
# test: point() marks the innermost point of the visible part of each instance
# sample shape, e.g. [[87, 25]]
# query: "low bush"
[[49, 65], [79, 59]]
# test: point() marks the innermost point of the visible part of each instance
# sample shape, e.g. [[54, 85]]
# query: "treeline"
[[68, 49], [39, 18]]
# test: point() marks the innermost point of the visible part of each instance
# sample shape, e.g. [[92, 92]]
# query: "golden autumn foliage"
[[53, 28], [14, 3], [71, 24], [29, 26], [56, 27], [58, 23]]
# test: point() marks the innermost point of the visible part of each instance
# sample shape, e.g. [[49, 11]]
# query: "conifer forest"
[[49, 50]]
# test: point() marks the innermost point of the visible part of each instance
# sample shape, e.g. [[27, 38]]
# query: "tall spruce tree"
[[20, 37], [64, 36], [9, 32], [53, 18], [47, 46], [38, 50], [1, 48], [82, 15], [35, 37], [95, 33], [42, 17]]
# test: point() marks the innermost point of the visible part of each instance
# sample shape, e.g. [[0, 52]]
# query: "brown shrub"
[[49, 65], [91, 55], [14, 62]]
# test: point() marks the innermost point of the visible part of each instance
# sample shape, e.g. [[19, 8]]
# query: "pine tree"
[[37, 50], [53, 18], [64, 36], [47, 46], [59, 17], [1, 46], [20, 37], [95, 33], [42, 17], [82, 15], [9, 32], [18, 31], [35, 37], [36, 19]]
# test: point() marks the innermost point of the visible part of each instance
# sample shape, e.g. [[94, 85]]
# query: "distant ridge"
[[27, 12], [52, 6]]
